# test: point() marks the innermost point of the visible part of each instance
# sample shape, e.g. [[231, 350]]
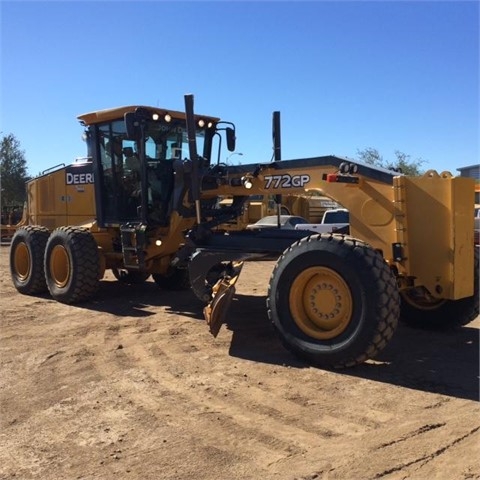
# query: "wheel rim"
[[420, 299], [60, 266], [22, 261], [321, 303]]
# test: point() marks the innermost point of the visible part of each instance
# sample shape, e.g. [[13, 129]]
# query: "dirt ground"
[[132, 386]]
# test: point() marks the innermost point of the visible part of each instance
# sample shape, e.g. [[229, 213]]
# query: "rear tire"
[[421, 311], [26, 259], [333, 300], [72, 265]]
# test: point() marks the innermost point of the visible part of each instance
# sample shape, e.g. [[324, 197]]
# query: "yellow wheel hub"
[[22, 261], [60, 266], [321, 303]]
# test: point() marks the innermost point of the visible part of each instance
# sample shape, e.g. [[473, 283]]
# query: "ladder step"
[[133, 240]]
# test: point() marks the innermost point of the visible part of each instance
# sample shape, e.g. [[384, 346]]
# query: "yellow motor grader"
[[146, 201]]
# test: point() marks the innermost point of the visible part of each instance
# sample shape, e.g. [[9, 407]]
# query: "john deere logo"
[[79, 175]]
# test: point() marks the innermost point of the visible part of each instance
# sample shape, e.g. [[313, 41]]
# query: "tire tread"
[[387, 307]]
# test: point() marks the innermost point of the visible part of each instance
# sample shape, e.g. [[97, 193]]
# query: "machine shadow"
[[445, 362], [125, 300]]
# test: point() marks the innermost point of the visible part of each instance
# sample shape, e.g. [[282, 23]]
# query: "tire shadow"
[[444, 362]]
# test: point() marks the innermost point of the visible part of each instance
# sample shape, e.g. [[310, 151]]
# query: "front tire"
[[333, 300], [72, 265], [26, 259]]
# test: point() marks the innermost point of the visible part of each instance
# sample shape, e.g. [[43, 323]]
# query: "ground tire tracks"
[[427, 458], [268, 429], [420, 431]]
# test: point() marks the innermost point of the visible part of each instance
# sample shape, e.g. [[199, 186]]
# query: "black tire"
[[72, 265], [418, 310], [333, 300], [129, 277], [26, 259], [175, 279]]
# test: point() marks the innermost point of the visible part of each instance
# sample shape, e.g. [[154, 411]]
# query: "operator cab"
[[138, 157]]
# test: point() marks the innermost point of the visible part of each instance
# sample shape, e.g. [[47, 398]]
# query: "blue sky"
[[344, 75]]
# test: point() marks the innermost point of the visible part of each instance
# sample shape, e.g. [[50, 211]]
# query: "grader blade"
[[223, 292], [216, 311]]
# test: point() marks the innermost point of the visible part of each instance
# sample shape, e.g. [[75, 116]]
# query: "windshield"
[[168, 141], [121, 170], [163, 141]]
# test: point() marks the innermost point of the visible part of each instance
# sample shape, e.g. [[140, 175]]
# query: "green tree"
[[13, 172], [402, 163]]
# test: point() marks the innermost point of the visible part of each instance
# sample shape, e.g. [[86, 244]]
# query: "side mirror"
[[131, 126], [230, 132]]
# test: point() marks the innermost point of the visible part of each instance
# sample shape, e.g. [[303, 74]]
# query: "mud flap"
[[223, 292]]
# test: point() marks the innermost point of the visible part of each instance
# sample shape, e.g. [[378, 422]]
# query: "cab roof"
[[110, 114]]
